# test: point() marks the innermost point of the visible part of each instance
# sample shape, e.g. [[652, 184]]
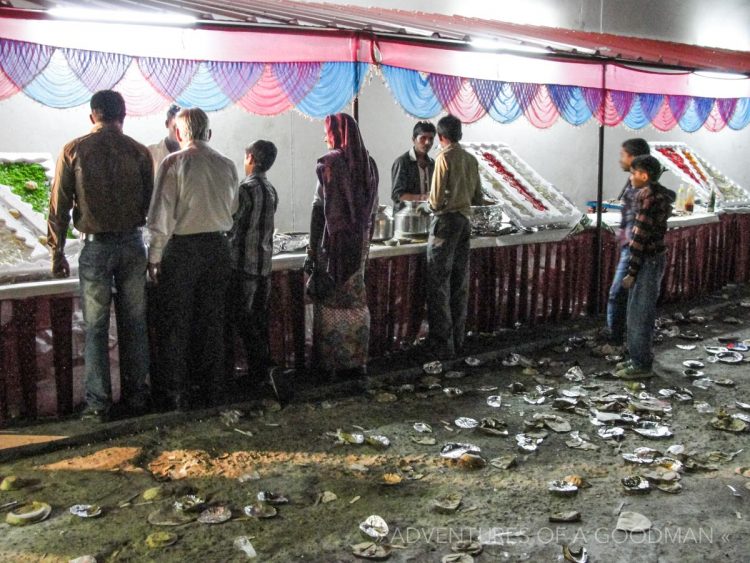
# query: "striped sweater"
[[653, 208]]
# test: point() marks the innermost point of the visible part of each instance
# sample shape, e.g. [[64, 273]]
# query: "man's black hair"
[[172, 112], [450, 128], [422, 127], [264, 153], [636, 147], [108, 106], [648, 164]]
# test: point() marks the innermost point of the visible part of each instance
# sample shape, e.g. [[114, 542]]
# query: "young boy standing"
[[646, 265], [251, 243]]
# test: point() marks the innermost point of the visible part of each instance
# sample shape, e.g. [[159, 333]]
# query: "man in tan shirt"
[[455, 188], [106, 178]]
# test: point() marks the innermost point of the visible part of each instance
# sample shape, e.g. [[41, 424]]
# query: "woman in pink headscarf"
[[340, 233]]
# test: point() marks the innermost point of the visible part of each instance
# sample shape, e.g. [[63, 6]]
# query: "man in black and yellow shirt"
[[647, 263]]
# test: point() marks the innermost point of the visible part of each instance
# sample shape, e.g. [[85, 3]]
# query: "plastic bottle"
[[690, 200], [679, 204], [712, 201]]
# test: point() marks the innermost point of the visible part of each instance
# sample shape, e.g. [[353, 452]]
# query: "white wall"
[[564, 154]]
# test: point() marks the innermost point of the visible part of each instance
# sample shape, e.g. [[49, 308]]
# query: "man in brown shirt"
[[106, 179], [456, 186]]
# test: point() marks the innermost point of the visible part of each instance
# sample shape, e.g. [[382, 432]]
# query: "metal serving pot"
[[382, 225], [410, 222]]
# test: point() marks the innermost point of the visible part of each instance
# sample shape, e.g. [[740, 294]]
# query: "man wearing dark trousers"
[[189, 261], [455, 188], [251, 242], [106, 179]]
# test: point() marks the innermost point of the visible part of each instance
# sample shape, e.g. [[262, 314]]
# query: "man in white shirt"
[[189, 260]]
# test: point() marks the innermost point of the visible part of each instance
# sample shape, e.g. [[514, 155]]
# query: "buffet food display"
[[24, 198], [528, 200], [692, 169]]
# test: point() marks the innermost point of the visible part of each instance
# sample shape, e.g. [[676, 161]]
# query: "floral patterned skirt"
[[341, 326]]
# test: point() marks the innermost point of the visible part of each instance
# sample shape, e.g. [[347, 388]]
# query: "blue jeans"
[[448, 250], [617, 304], [642, 310], [115, 267]]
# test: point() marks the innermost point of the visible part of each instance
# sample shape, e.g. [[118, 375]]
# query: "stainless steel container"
[[382, 226], [410, 222]]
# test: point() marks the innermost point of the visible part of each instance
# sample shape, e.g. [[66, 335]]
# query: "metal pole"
[[599, 203]]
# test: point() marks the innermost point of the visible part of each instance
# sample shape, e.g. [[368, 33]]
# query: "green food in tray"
[[16, 174]]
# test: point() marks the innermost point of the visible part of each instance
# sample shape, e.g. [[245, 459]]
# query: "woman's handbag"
[[319, 284]]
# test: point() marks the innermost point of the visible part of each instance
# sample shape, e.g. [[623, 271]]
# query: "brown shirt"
[[106, 178], [455, 183]]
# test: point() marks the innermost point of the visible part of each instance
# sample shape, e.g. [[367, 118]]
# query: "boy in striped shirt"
[[647, 263]]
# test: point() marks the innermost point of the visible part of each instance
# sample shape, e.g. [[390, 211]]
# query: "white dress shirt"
[[196, 191]]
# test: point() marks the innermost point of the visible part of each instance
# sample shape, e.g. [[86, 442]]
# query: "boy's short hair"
[[264, 153], [450, 128], [648, 164], [108, 106], [636, 147], [172, 112], [422, 127]]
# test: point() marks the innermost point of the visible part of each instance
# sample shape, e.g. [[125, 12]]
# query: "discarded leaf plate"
[[473, 362], [215, 515], [422, 427], [534, 399], [495, 401], [433, 368], [673, 488], [636, 484], [511, 360], [730, 357], [690, 335], [457, 558], [471, 547], [493, 427], [577, 480], [386, 398], [371, 550], [687, 347], [154, 493], [554, 422], [563, 517], [243, 544], [424, 440], [642, 456], [561, 488], [12, 483], [85, 510], [611, 433], [472, 461], [453, 392], [83, 559], [728, 423], [693, 373], [504, 462], [575, 556], [713, 350], [375, 527], [378, 441], [350, 438], [189, 503], [453, 450], [653, 430], [466, 422], [528, 443], [29, 513], [167, 516], [454, 374], [260, 510], [574, 374], [703, 383], [447, 504], [743, 406], [161, 539], [392, 479], [580, 441], [271, 498], [724, 382], [633, 522], [693, 364]]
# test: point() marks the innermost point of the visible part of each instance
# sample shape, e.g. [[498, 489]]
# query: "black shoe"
[[95, 415]]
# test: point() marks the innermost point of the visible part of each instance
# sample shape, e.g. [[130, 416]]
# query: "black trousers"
[[192, 289], [249, 299]]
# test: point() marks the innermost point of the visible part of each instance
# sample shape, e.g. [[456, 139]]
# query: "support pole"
[[599, 203]]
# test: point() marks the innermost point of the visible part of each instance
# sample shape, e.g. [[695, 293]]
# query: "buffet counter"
[[528, 279]]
